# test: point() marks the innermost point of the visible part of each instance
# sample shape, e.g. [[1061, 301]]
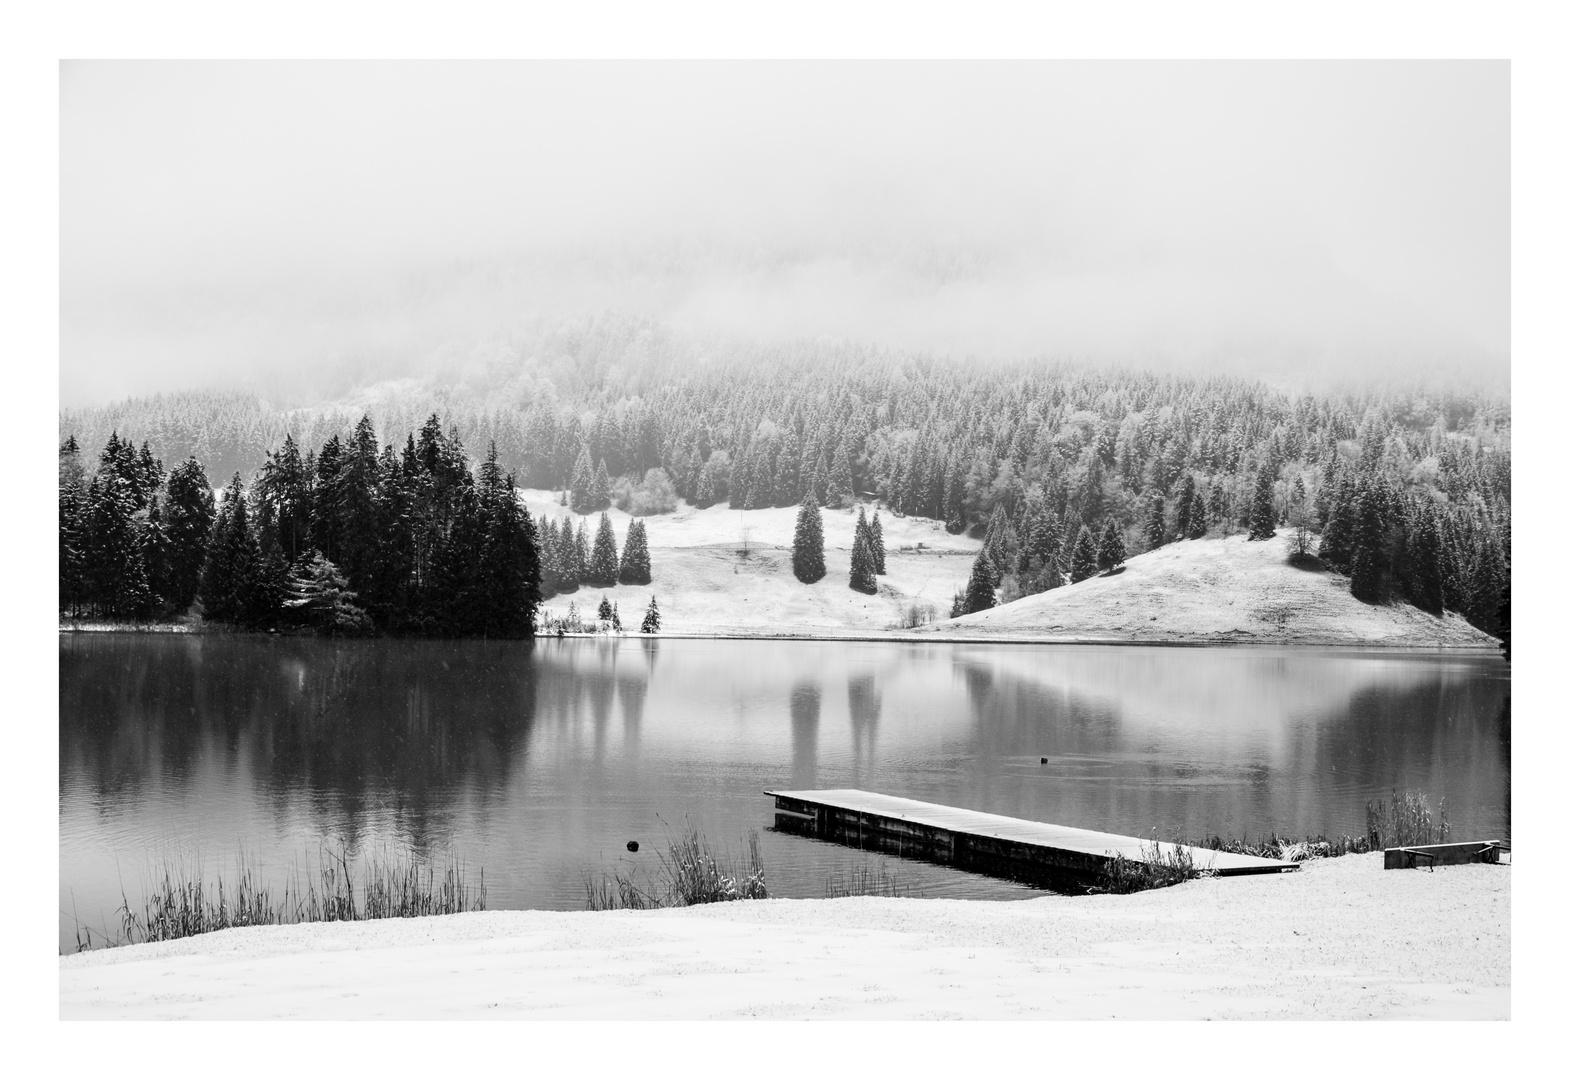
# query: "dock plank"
[[1008, 841]]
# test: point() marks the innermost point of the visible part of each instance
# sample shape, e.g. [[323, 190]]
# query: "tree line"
[[1058, 467], [354, 537]]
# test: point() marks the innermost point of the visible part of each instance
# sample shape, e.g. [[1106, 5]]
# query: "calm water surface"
[[540, 761]]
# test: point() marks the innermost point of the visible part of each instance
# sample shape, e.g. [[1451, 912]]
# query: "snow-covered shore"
[[1342, 938]]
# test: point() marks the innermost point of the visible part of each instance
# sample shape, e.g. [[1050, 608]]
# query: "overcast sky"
[[223, 221]]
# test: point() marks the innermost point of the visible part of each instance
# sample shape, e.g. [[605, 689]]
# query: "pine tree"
[[706, 493], [1488, 585], [231, 586], [1185, 508], [507, 574], [1422, 574], [635, 568], [1262, 511], [839, 483], [651, 618], [979, 593], [568, 576], [1111, 552], [862, 578], [1084, 559], [1216, 506], [616, 618], [73, 534], [318, 596], [1335, 542], [600, 488], [580, 552], [807, 547], [1156, 522], [154, 551], [188, 523], [1198, 518], [1368, 537], [582, 483], [604, 563], [604, 612], [879, 555]]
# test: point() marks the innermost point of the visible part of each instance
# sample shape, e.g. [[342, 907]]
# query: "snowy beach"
[[1340, 939]]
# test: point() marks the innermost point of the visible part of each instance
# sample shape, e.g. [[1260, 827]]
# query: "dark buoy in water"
[[1043, 761], [632, 845]]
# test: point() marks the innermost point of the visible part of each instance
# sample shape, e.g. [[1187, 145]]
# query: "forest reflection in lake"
[[538, 761]]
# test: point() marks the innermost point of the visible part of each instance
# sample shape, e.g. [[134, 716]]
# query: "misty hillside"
[[1027, 455], [1222, 591]]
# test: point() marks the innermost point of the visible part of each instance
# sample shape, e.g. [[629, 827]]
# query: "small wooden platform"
[[1428, 856], [1056, 856]]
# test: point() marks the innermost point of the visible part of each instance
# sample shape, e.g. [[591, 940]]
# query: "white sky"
[[242, 221]]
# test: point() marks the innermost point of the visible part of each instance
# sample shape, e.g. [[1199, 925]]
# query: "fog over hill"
[[308, 231]]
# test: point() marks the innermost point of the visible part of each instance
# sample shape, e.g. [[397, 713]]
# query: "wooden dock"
[[1055, 856], [1428, 856]]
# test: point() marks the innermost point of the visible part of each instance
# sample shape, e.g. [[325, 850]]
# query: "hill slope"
[[705, 586], [1226, 590]]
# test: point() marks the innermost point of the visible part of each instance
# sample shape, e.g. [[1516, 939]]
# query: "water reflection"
[[806, 704], [540, 760]]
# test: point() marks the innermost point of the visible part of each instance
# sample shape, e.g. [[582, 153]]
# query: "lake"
[[539, 761]]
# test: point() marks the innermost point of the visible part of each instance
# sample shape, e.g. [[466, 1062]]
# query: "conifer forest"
[[399, 513]]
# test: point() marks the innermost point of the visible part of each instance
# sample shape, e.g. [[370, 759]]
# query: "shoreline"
[[1342, 938], [833, 635]]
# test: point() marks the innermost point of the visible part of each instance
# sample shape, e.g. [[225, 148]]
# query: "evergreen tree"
[[862, 578], [318, 596], [707, 488], [1111, 552], [604, 612], [879, 555], [634, 568], [456, 604], [979, 593], [550, 576], [188, 523], [1367, 547], [600, 488], [1423, 576], [154, 543], [115, 575], [1216, 506], [1185, 509], [231, 585], [1084, 559], [651, 618], [508, 570], [568, 576], [582, 483], [1488, 586], [807, 546], [839, 492], [603, 563], [581, 557], [616, 618], [1198, 523], [73, 534], [1335, 543], [1156, 522], [1262, 511]]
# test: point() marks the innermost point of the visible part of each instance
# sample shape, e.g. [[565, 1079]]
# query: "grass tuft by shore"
[[183, 901], [690, 872]]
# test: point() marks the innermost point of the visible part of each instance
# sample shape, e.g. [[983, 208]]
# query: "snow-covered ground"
[[706, 586], [1219, 591], [1342, 938]]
